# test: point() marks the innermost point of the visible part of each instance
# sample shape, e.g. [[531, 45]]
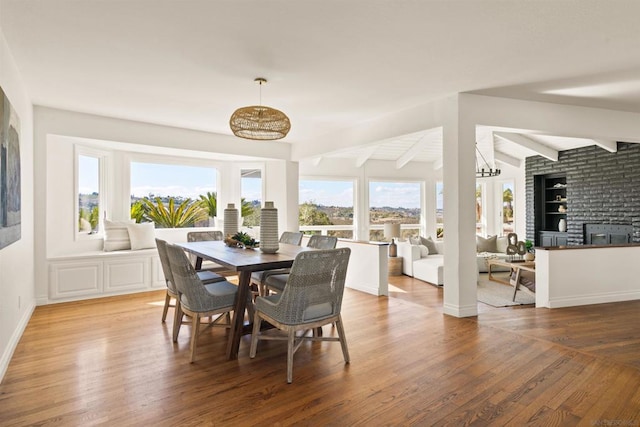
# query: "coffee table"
[[516, 267]]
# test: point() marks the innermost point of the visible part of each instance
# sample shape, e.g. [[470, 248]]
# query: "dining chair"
[[288, 237], [197, 299], [311, 299], [205, 276], [275, 281], [205, 236]]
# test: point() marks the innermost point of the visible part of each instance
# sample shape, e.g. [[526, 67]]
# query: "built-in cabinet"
[[551, 209], [104, 273]]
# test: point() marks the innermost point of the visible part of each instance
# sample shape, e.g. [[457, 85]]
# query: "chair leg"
[[167, 301], [290, 346], [177, 319], [254, 335], [343, 340], [195, 331]]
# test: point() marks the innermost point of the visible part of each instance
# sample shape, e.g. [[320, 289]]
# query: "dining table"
[[245, 261]]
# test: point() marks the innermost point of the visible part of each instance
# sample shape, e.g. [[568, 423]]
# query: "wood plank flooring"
[[111, 362]]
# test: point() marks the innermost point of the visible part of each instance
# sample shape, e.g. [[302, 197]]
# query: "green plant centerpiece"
[[242, 239], [529, 245]]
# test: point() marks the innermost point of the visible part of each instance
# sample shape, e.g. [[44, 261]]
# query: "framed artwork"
[[10, 196]]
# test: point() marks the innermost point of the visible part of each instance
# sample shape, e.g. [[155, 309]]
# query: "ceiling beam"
[[412, 152], [530, 144], [506, 159], [610, 146], [366, 155]]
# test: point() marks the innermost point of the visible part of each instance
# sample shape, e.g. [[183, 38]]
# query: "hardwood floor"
[[111, 362]]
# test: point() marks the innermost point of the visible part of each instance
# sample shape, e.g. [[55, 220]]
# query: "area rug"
[[499, 295]]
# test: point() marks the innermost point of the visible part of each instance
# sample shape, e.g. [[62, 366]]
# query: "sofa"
[[423, 258]]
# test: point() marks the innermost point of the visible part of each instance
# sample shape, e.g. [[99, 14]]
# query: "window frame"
[[104, 158]]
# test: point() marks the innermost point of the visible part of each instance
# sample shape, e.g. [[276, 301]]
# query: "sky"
[[171, 180]]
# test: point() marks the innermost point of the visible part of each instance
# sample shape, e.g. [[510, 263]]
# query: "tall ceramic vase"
[[562, 225], [269, 229], [230, 220]]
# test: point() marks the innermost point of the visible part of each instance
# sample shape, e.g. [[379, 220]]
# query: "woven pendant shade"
[[259, 121]]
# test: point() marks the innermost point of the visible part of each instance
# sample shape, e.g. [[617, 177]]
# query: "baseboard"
[[602, 298], [14, 340], [458, 311], [372, 290]]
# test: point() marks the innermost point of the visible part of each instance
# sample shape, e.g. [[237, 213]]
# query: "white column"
[[460, 268], [281, 179]]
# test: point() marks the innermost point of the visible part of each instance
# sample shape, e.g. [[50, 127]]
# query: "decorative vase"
[[562, 225], [230, 220], [393, 249], [529, 256], [269, 229], [213, 221]]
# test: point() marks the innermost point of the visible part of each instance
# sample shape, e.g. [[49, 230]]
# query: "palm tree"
[[246, 208], [138, 211], [185, 214], [210, 202]]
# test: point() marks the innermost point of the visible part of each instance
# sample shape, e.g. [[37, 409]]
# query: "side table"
[[395, 266]]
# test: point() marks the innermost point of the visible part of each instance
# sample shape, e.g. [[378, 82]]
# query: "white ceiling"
[[329, 63]]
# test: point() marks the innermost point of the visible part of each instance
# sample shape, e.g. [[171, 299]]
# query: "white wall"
[[17, 260]]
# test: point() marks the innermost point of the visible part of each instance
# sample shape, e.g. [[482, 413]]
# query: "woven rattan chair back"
[[166, 267], [203, 236], [291, 237], [193, 294], [322, 242], [314, 287]]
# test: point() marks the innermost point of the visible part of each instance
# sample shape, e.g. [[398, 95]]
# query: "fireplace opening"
[[607, 234]]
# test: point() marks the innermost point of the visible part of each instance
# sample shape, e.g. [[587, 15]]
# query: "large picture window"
[[326, 207], [394, 202], [172, 195]]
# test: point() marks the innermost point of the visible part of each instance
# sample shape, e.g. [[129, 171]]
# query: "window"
[[89, 167], [251, 196], [439, 210], [327, 207], [481, 220], [394, 202], [507, 208], [172, 195]]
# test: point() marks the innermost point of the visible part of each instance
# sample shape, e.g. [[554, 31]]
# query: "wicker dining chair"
[[311, 299], [276, 280], [172, 293], [198, 300], [288, 237]]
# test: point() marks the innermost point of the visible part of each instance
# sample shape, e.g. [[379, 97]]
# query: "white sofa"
[[430, 268]]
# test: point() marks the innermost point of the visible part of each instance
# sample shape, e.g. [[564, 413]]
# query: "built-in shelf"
[[550, 209]]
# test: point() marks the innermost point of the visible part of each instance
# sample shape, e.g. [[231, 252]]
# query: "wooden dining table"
[[245, 262]]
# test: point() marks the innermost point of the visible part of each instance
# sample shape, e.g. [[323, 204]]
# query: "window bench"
[[97, 274]]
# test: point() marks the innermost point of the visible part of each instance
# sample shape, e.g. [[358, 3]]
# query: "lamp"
[[392, 231], [483, 170], [258, 121]]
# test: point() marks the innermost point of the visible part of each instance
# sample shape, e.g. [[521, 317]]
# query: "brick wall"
[[602, 187]]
